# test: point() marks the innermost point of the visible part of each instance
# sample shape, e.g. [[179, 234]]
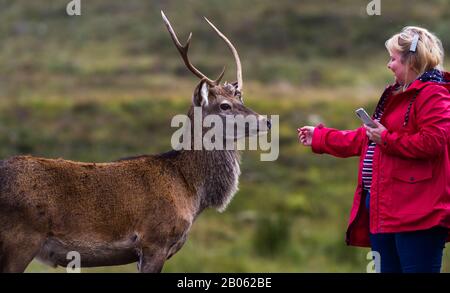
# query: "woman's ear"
[[201, 94]]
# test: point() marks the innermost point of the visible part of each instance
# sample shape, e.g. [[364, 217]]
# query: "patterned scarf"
[[432, 75]]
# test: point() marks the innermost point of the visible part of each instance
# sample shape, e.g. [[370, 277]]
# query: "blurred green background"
[[106, 84]]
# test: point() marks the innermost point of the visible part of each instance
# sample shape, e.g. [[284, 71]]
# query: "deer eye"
[[225, 106]]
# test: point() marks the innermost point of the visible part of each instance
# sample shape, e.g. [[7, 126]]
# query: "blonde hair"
[[429, 52]]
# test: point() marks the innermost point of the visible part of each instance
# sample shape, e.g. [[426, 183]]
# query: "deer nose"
[[269, 124]]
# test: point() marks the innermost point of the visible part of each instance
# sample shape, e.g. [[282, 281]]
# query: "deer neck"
[[213, 175]]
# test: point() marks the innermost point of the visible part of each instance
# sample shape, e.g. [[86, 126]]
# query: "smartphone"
[[365, 118]]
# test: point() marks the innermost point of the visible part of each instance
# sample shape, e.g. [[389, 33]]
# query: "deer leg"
[[18, 250], [151, 260]]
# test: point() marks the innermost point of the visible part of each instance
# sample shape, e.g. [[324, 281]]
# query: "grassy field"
[[106, 85]]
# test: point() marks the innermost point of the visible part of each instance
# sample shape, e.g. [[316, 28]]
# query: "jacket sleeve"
[[433, 119], [339, 143]]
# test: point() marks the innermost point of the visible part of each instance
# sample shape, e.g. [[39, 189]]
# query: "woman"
[[401, 206]]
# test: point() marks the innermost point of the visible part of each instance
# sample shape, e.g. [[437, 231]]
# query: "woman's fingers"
[[305, 140], [369, 133], [302, 139], [305, 135]]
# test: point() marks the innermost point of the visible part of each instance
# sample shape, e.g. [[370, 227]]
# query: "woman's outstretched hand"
[[305, 135], [374, 134]]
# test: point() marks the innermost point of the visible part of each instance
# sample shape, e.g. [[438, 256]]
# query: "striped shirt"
[[368, 158]]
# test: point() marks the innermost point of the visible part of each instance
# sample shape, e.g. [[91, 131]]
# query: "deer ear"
[[201, 93], [237, 93]]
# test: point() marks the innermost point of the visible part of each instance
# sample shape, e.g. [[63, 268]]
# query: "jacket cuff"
[[316, 144]]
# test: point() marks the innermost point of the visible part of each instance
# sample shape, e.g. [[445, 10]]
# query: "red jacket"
[[411, 167]]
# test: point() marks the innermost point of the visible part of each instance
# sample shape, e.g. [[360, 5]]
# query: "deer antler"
[[235, 54], [184, 54]]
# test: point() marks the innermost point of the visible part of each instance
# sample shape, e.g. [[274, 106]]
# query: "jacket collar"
[[417, 85]]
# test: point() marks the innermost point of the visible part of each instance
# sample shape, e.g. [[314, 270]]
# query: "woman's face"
[[396, 66], [399, 69]]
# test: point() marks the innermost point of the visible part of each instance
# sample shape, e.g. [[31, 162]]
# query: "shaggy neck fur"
[[213, 175]]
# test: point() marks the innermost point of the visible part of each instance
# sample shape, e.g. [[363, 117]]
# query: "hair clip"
[[414, 43]]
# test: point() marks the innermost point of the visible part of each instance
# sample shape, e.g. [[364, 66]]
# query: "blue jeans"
[[409, 252]]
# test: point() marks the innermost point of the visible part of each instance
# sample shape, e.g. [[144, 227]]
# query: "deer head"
[[223, 100]]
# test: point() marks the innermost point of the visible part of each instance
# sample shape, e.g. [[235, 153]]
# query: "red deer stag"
[[132, 210]]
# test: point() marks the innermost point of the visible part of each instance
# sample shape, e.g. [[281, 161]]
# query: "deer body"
[[133, 210], [109, 212]]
